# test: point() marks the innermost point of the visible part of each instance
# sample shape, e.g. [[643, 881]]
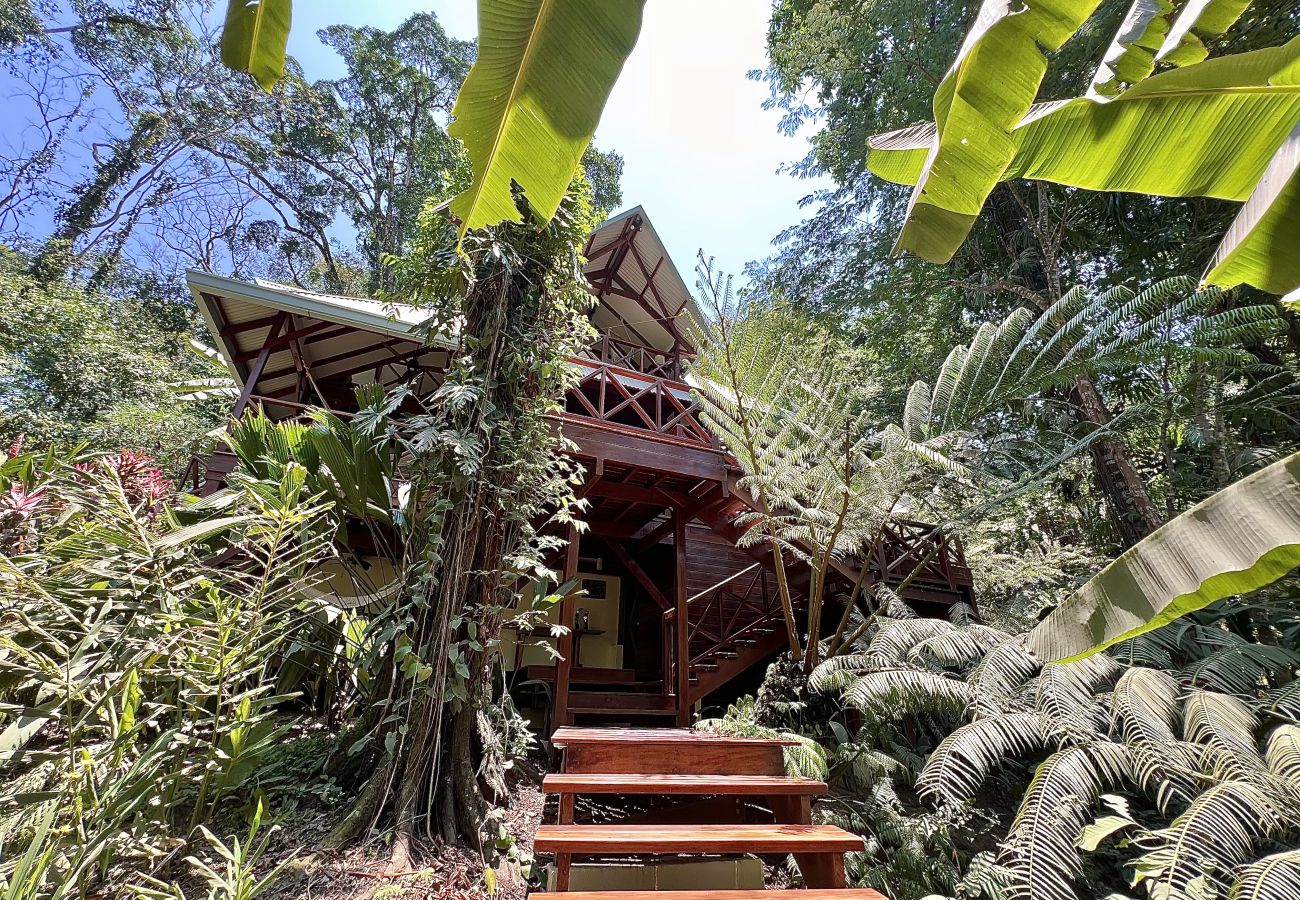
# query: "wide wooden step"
[[655, 839], [731, 785], [803, 894], [621, 702], [569, 736]]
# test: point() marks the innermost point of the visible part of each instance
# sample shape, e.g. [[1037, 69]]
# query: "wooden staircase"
[[613, 761]]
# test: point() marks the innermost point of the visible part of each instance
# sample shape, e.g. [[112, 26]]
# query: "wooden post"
[[255, 370], [564, 664], [681, 623]]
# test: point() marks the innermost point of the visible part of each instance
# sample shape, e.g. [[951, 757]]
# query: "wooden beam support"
[[681, 625], [639, 574], [689, 512], [254, 373], [564, 665]]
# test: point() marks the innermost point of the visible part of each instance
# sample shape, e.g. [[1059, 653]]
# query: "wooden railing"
[[629, 355], [626, 399]]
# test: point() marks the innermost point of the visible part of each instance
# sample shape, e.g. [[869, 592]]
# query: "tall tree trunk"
[[1134, 515]]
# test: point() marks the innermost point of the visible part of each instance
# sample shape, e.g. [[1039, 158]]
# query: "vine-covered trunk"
[[485, 469]]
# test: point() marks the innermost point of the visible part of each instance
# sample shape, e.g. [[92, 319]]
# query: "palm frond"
[[1002, 670], [1275, 877], [1240, 669], [1225, 724], [964, 758], [959, 648], [895, 693], [1040, 851], [1219, 830], [838, 672], [1283, 754], [1145, 706], [893, 639]]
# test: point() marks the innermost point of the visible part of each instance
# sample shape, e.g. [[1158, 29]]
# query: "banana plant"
[[1239, 539], [1225, 127]]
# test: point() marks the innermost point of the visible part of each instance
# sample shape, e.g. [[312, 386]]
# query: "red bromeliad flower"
[[19, 502], [143, 482]]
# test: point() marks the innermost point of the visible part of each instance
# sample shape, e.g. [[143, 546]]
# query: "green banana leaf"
[[1200, 19], [1132, 54], [1242, 538], [1260, 246], [255, 37], [1211, 129], [990, 87], [533, 99]]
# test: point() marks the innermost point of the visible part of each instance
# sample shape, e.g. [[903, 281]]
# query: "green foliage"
[[1108, 142], [533, 99], [1238, 540], [254, 38], [1191, 801], [139, 681], [79, 364]]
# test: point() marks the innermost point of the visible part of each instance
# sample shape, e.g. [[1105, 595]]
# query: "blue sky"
[[700, 153]]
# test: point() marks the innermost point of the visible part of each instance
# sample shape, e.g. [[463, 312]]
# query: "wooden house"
[[673, 610]]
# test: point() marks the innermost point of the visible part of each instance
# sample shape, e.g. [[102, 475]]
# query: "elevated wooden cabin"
[[674, 610]]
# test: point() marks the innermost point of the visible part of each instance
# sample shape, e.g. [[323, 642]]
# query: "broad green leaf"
[[990, 87], [1199, 19], [1132, 54], [1242, 538], [1092, 835], [255, 37], [200, 530], [1259, 247], [1212, 129], [1207, 130], [533, 99]]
